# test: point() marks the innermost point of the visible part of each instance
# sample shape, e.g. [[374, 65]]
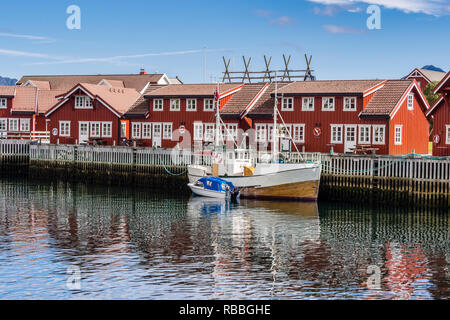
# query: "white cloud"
[[282, 21], [38, 39], [120, 59], [326, 11], [15, 53], [341, 30], [430, 7]]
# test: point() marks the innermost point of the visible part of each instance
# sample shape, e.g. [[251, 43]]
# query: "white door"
[[157, 131], [83, 132], [350, 138]]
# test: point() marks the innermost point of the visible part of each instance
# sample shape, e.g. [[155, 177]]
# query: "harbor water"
[[75, 241]]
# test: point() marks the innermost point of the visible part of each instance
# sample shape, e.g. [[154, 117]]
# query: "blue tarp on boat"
[[216, 184]]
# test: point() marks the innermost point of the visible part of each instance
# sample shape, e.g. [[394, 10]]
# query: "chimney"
[[142, 71]]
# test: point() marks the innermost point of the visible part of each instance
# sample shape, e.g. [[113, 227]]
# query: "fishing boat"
[[213, 187], [273, 179]]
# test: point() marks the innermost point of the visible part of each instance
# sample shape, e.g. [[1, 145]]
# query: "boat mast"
[[217, 102], [275, 115]]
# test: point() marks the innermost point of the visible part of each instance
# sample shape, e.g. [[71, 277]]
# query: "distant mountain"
[[432, 68], [7, 81]]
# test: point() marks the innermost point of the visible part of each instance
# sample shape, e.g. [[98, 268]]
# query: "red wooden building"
[[22, 111], [424, 77], [89, 112], [440, 115], [320, 116], [177, 115]]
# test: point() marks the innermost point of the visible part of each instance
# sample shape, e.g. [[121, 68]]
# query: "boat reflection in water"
[[210, 206]]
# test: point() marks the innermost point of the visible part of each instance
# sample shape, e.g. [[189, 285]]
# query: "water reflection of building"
[[402, 242]]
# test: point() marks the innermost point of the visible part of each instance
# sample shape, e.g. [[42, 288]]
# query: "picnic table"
[[96, 142], [364, 149]]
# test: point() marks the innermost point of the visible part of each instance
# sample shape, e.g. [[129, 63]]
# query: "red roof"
[[192, 90], [25, 99], [329, 87]]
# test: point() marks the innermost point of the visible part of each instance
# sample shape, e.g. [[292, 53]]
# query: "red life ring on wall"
[[436, 139], [317, 132]]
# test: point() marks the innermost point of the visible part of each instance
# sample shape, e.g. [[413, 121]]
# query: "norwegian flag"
[[216, 95]]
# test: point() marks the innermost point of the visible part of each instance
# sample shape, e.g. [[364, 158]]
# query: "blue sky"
[[170, 36]]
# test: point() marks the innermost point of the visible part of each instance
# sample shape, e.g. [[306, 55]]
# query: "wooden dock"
[[399, 180]]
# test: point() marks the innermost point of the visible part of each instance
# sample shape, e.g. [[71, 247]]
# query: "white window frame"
[[261, 132], [348, 101], [94, 125], [85, 102], [105, 125], [167, 134], [298, 138], [209, 132], [175, 105], [447, 131], [24, 125], [3, 124], [362, 130], [326, 101], [411, 101], [158, 104], [374, 136], [210, 102], [198, 131], [306, 104], [287, 104], [13, 128], [146, 130], [341, 130], [191, 105], [398, 142], [232, 131], [136, 134], [3, 103], [64, 128], [270, 132]]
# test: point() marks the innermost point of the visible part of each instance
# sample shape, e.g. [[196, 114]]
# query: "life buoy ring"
[[317, 132], [182, 129], [436, 139], [55, 131]]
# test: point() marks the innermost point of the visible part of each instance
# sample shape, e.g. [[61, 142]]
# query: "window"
[[364, 134], [411, 101], [208, 105], [261, 133], [288, 104], [107, 129], [350, 104], [270, 132], [308, 104], [191, 104], [146, 131], [25, 125], [174, 104], [198, 131], [3, 103], [96, 129], [285, 131], [209, 131], [83, 102], [13, 124], [232, 131], [299, 133], [336, 133], [378, 134], [3, 124], [327, 104], [64, 128], [123, 129], [136, 130], [398, 135], [158, 105], [447, 140], [167, 131]]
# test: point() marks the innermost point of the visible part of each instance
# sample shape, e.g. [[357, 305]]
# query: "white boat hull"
[[273, 181], [202, 192]]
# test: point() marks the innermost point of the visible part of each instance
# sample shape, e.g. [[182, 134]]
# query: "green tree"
[[428, 92]]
